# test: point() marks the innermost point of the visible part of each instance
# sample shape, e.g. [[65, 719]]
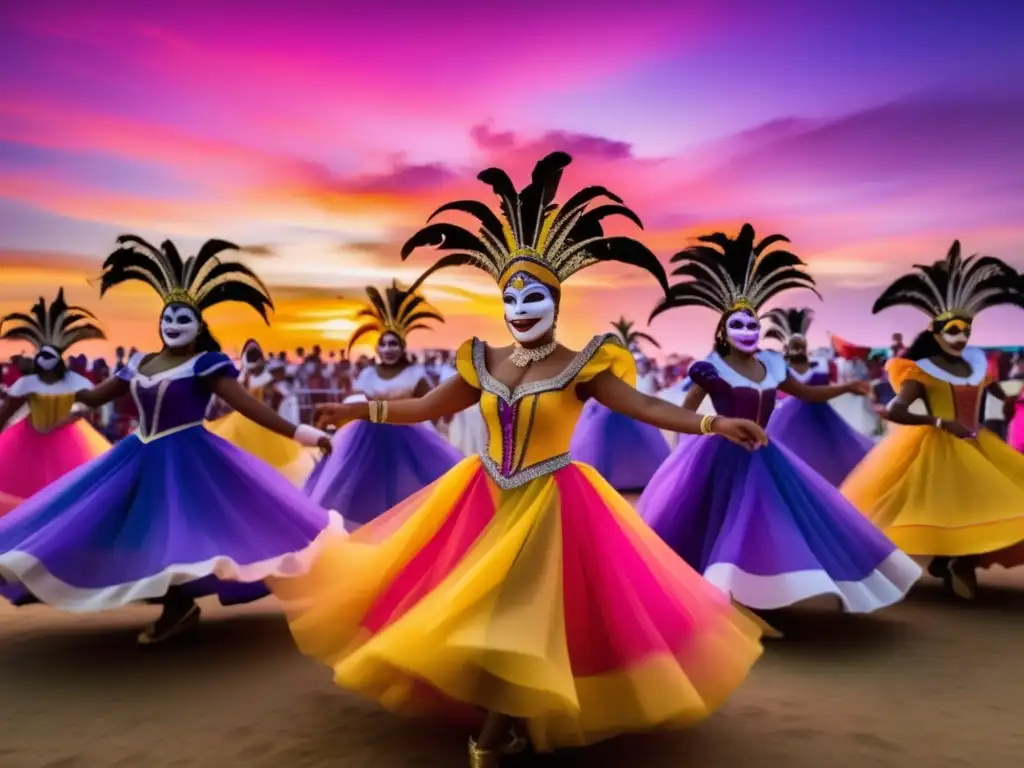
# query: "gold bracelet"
[[383, 411], [373, 406], [706, 424]]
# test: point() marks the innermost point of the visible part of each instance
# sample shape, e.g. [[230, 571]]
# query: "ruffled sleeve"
[[704, 375], [23, 387], [464, 363], [611, 356], [900, 370], [215, 364]]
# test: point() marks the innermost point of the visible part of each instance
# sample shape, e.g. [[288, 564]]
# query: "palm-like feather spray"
[[725, 274], [58, 325], [561, 239], [954, 287], [397, 310], [631, 339], [200, 281], [786, 324]]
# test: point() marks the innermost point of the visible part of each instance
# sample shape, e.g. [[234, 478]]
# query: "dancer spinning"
[[375, 466], [811, 430], [522, 584], [53, 440], [943, 486], [763, 527], [172, 512], [280, 452], [625, 451]]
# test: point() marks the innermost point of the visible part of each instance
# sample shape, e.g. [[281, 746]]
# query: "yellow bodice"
[[47, 411], [529, 428], [945, 396]]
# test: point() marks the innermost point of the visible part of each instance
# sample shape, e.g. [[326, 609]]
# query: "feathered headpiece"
[[199, 282], [58, 326], [397, 310], [954, 288], [729, 274], [533, 234], [787, 324], [631, 339]]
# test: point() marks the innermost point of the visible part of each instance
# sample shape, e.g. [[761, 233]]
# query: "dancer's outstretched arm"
[[1009, 408], [612, 392], [822, 394], [898, 412], [446, 399], [235, 395], [694, 397], [104, 392]]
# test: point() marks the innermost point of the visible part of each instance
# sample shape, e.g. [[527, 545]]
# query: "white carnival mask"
[[47, 358], [529, 309], [389, 348], [179, 326], [744, 331]]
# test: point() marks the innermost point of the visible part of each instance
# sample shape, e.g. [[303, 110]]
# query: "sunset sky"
[[319, 135]]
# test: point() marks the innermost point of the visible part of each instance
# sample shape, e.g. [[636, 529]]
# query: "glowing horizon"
[[318, 139]]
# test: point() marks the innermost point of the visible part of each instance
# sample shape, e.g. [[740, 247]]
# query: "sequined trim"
[[490, 384], [523, 477]]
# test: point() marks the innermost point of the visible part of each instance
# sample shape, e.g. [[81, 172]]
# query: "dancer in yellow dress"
[[287, 456], [942, 485], [489, 593]]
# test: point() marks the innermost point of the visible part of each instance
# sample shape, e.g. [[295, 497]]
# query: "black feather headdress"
[[57, 325], [954, 288], [786, 324], [533, 234], [631, 339], [726, 274], [397, 310], [199, 282]]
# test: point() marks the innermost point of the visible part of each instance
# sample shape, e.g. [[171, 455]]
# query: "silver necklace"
[[523, 356]]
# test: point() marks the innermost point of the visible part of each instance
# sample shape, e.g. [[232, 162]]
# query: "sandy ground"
[[926, 684]]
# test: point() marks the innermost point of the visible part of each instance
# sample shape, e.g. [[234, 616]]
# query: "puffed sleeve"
[[23, 387], [215, 364], [464, 362], [611, 356], [900, 370], [704, 375]]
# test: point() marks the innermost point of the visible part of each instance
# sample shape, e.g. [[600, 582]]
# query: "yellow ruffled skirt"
[[935, 494], [285, 455], [552, 602]]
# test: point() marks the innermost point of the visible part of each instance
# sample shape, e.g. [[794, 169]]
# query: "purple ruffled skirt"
[[187, 510], [765, 528], [626, 452], [819, 436], [375, 466]]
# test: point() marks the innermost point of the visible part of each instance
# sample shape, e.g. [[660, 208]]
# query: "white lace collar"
[[775, 371], [973, 356]]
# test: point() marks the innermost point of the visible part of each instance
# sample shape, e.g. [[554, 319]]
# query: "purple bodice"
[[735, 396], [176, 398]]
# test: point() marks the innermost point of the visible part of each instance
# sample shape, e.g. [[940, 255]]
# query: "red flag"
[[848, 351]]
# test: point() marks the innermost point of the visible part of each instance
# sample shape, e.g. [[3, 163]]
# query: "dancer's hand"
[[956, 429], [332, 415], [743, 432], [858, 387], [1009, 410], [325, 445]]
